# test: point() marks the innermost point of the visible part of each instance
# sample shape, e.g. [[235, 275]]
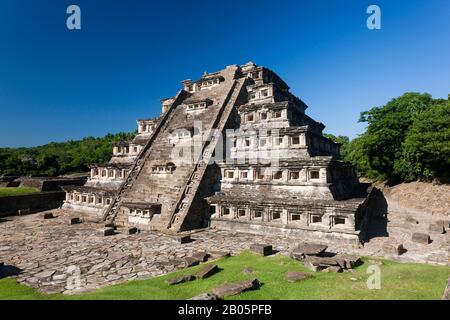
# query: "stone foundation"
[[324, 235], [34, 202]]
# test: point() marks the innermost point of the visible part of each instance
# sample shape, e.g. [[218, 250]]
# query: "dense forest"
[[407, 139], [55, 159]]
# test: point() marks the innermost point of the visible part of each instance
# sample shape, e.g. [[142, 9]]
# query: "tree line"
[[55, 159], [405, 140]]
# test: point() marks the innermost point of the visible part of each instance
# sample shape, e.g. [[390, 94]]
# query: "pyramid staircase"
[[187, 196]]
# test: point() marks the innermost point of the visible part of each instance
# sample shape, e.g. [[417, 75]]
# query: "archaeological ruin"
[[233, 150]]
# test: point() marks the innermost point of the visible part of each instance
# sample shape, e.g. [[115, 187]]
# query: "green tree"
[[342, 140], [426, 150], [59, 158], [407, 139]]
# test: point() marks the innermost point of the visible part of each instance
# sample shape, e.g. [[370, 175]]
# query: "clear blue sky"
[[57, 84]]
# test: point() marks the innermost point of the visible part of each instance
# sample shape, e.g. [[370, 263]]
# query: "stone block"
[[109, 232], [293, 276], [207, 271], [393, 248], [421, 238], [262, 249], [347, 261], [23, 212], [334, 269], [445, 223], [202, 256], [184, 239], [219, 254], [236, 288], [180, 279], [205, 297], [341, 261], [191, 261], [411, 220], [308, 249], [76, 220], [48, 215], [311, 249], [45, 274], [314, 268], [133, 230], [436, 228]]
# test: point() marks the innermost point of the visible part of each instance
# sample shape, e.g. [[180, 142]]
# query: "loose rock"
[[133, 230], [191, 261], [76, 220], [207, 271], [45, 274], [23, 212], [393, 248], [48, 215], [445, 223], [236, 288], [184, 239], [421, 238], [201, 256], [334, 269], [109, 232], [219, 254], [411, 220], [262, 249], [294, 276], [436, 228], [308, 249]]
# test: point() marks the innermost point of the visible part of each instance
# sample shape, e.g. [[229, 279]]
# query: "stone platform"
[[44, 253]]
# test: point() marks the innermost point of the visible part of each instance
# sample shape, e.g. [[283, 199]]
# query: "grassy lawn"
[[4, 192], [398, 281]]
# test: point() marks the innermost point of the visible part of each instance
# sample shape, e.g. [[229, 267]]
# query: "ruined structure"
[[232, 150], [104, 180]]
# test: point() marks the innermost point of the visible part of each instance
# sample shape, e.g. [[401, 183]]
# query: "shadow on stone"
[[327, 254], [9, 271], [375, 225]]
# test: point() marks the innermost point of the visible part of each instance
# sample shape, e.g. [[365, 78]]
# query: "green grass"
[[398, 281], [4, 192]]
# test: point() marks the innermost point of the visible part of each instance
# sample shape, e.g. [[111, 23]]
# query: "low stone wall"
[[9, 182], [35, 202], [350, 238], [49, 184]]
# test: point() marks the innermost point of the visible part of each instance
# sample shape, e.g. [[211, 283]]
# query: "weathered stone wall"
[[8, 182], [352, 238], [49, 184], [34, 202]]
